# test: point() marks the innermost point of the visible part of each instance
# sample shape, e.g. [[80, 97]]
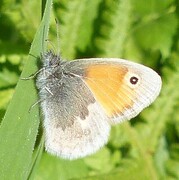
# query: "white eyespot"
[[133, 80]]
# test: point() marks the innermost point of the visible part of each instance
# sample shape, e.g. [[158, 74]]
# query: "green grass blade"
[[36, 158], [19, 128]]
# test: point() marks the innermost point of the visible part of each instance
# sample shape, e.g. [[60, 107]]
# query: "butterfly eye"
[[134, 80]]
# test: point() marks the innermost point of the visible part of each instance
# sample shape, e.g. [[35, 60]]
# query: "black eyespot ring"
[[134, 80]]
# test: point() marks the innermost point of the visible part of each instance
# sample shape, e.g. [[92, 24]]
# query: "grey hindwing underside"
[[70, 99], [75, 125]]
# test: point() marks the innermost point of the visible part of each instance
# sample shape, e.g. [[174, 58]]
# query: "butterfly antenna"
[[58, 38], [43, 42], [52, 45], [54, 50]]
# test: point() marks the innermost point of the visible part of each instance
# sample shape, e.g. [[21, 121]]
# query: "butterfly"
[[83, 98]]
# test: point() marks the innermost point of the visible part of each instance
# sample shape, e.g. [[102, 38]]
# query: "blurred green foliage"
[[143, 31]]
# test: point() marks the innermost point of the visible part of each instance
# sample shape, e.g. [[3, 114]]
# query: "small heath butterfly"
[[81, 99]]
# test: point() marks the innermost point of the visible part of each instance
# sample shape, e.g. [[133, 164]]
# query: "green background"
[[146, 32]]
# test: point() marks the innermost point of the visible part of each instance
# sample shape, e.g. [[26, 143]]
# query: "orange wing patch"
[[107, 82]]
